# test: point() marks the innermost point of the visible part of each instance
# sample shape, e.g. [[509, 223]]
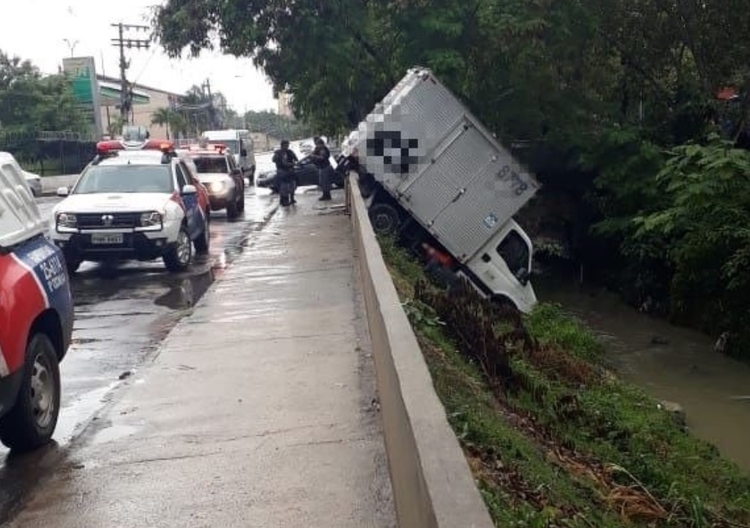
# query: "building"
[[146, 101], [285, 105]]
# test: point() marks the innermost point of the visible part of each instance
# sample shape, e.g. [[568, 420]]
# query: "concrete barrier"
[[50, 184], [432, 484]]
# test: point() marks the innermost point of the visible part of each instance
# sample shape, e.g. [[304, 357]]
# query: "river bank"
[[553, 438], [669, 362]]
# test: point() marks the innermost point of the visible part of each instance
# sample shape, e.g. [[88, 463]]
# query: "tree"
[[596, 90], [30, 103], [170, 119]]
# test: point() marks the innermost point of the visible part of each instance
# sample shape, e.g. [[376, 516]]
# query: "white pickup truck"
[[432, 173]]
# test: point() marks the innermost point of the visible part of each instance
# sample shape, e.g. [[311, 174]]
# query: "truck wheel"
[[204, 240], [178, 257], [384, 219], [32, 419]]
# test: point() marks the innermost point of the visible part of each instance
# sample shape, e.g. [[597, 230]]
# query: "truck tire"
[[384, 219], [179, 256], [32, 419]]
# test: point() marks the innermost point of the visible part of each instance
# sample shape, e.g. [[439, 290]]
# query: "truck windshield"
[[515, 252], [126, 179], [211, 164]]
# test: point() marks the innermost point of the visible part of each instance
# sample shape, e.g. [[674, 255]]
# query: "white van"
[[240, 143]]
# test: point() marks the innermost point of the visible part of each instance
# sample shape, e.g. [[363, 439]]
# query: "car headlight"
[[67, 220], [151, 219], [216, 187]]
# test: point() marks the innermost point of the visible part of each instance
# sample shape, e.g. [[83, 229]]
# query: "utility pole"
[[211, 109], [122, 41]]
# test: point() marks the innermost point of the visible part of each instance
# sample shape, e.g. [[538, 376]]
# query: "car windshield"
[[211, 164], [126, 179]]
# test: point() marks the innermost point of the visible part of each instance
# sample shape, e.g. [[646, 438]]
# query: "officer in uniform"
[[284, 159]]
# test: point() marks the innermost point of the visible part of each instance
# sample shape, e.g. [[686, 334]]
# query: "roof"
[[138, 157], [114, 80]]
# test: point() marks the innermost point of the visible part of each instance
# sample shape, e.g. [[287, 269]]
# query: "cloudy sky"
[[37, 30]]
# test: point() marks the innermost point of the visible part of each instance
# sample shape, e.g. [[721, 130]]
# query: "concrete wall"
[[432, 483]]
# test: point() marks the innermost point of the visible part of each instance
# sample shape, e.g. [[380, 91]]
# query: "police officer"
[[284, 159], [320, 157]]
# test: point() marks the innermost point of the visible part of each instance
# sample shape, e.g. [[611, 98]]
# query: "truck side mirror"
[[63, 191], [523, 276]]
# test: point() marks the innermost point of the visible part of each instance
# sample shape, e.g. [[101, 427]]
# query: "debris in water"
[[125, 375]]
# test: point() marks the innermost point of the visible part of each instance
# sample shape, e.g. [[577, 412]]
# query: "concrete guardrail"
[[50, 184], [432, 484]]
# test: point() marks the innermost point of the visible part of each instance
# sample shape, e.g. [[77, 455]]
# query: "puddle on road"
[[112, 433]]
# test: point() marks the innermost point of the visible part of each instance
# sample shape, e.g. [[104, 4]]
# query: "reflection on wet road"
[[122, 314]]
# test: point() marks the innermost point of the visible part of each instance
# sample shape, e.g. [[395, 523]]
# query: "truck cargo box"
[[441, 164]]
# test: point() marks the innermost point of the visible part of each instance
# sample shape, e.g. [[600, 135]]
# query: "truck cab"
[[36, 316]]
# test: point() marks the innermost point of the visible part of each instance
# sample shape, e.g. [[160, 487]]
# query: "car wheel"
[[32, 419], [179, 256], [204, 240], [233, 209], [241, 204], [72, 263]]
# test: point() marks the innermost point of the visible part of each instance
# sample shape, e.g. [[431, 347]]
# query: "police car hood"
[[113, 202], [208, 177]]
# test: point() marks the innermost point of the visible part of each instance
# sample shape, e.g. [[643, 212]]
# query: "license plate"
[[112, 238]]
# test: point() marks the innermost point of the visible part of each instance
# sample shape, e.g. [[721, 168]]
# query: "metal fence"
[[49, 153]]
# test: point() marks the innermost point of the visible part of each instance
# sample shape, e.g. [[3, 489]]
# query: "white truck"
[[433, 174], [240, 144]]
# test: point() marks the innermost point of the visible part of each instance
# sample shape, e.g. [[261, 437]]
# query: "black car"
[[305, 172]]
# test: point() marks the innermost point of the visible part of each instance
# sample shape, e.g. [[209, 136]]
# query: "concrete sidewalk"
[[258, 412]]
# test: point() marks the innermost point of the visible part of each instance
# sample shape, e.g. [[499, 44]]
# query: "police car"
[[218, 171], [36, 316], [131, 203]]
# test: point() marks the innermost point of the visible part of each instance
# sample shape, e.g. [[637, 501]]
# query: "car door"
[[192, 208], [236, 175]]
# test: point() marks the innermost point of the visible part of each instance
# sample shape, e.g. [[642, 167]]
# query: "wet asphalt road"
[[122, 315]]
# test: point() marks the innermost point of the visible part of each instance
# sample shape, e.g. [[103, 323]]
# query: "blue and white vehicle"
[[36, 316], [139, 204]]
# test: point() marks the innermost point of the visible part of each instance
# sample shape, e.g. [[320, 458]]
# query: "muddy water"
[[670, 363]]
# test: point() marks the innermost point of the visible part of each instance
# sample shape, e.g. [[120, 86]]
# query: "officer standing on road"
[[284, 159], [320, 157]]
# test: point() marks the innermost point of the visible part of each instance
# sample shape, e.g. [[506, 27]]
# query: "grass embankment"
[[552, 437]]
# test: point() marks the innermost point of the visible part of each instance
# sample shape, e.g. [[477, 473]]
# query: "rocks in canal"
[[721, 343], [676, 411]]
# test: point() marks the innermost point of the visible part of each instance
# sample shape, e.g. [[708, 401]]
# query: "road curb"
[[431, 480]]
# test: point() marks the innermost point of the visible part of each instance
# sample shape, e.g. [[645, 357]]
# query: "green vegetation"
[[31, 102], [277, 126], [553, 438], [597, 95]]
